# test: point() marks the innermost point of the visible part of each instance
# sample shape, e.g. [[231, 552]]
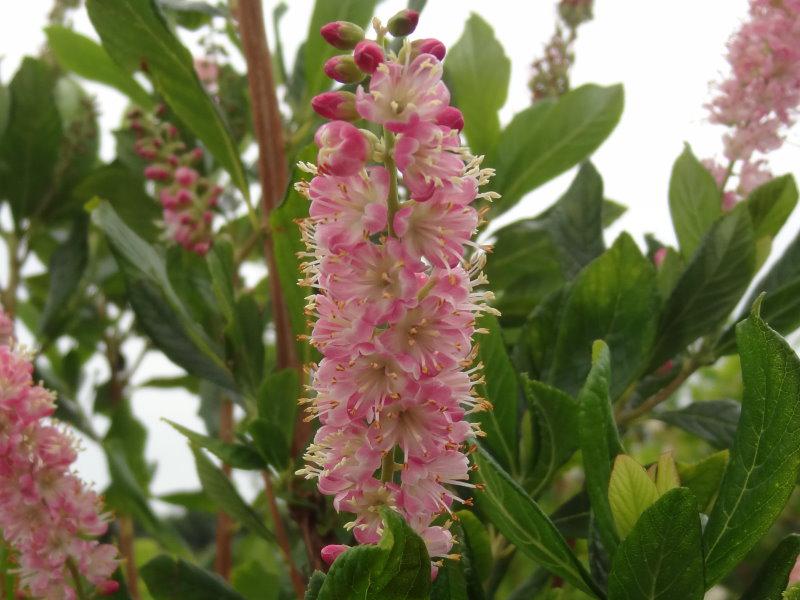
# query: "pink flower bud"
[[335, 105], [183, 197], [168, 199], [342, 34], [106, 588], [343, 149], [186, 176], [330, 552], [343, 69], [660, 256], [173, 160], [368, 55], [197, 154], [403, 23], [451, 117], [430, 46], [201, 248], [145, 151], [157, 172]]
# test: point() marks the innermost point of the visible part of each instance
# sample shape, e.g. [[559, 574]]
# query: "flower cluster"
[[188, 199], [761, 96], [47, 515], [396, 294]]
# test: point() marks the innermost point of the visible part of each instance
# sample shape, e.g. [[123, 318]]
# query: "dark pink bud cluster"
[[758, 102], [187, 198], [395, 295], [48, 516]]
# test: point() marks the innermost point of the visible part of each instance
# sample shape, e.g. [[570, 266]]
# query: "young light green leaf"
[[85, 57], [709, 288], [220, 489], [666, 474], [168, 578], [555, 421], [397, 568], [236, 455], [630, 493], [599, 442], [136, 36], [521, 520], [499, 423], [548, 138], [765, 456], [703, 478], [712, 420], [663, 555], [477, 72], [695, 201], [773, 576]]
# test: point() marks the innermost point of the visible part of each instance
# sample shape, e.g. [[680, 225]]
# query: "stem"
[[387, 466], [73, 569], [126, 548], [388, 160], [224, 530], [7, 583], [9, 295], [283, 540], [689, 367], [728, 173]]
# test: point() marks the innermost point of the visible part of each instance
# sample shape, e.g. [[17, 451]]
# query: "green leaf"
[[663, 555], [614, 299], [5, 108], [67, 265], [666, 474], [254, 582], [792, 592], [712, 420], [695, 201], [704, 477], [277, 399], [397, 568], [236, 455], [450, 582], [599, 442], [135, 35], [773, 576], [193, 501], [175, 579], [765, 457], [158, 309], [710, 287], [612, 211], [476, 543], [316, 50], [220, 489], [555, 420], [521, 520], [499, 423], [548, 138], [781, 306], [28, 161], [85, 57], [314, 586], [771, 204], [130, 435], [271, 442], [630, 493], [477, 71]]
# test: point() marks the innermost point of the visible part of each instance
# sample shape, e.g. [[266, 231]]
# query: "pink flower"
[[343, 149], [436, 230], [427, 156], [47, 515], [398, 92]]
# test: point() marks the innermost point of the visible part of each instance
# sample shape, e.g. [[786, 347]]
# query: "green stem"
[[73, 569], [7, 579], [388, 160], [387, 466], [728, 173]]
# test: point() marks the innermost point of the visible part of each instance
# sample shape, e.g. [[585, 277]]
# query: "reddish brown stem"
[[222, 559], [126, 549], [298, 582]]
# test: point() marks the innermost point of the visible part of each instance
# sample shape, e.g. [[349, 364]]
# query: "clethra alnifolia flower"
[[396, 280]]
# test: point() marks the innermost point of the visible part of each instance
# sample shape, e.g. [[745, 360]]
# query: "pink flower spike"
[[343, 149], [335, 106], [332, 551], [368, 55], [342, 34]]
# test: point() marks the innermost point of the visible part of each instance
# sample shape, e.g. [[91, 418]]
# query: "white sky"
[[665, 54]]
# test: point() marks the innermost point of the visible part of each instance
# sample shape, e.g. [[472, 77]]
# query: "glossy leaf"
[[499, 423], [712, 420], [477, 71], [630, 493], [765, 456], [555, 421], [521, 520], [136, 36], [168, 578], [773, 576], [695, 201], [85, 57], [710, 287], [599, 442], [397, 568], [28, 160], [548, 138], [236, 455], [219, 488], [663, 555]]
